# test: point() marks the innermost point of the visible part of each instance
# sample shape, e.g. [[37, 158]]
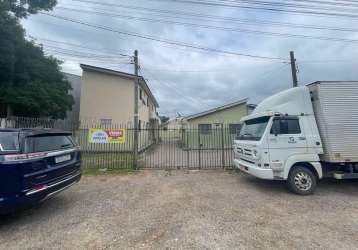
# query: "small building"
[[229, 114], [207, 128], [107, 97], [174, 123]]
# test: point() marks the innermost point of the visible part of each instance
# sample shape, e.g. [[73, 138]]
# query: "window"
[[106, 122], [234, 128], [47, 143], [139, 125], [205, 129], [286, 126], [140, 94], [9, 141]]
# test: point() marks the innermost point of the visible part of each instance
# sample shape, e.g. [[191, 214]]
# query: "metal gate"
[[190, 148], [184, 146]]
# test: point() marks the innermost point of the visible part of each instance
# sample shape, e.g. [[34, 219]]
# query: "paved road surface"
[[208, 209]]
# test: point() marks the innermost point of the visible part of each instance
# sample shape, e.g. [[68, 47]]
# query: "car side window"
[[282, 126]]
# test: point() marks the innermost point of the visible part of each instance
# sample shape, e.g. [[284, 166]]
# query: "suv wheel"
[[302, 181]]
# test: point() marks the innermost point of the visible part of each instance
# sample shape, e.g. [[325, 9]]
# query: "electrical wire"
[[257, 32], [208, 17], [190, 99], [161, 40], [285, 10], [106, 50]]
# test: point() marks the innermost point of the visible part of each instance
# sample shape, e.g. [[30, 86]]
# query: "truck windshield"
[[253, 129]]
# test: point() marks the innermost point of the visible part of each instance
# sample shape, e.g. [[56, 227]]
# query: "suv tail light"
[[21, 157]]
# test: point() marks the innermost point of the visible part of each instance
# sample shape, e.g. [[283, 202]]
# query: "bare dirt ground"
[[208, 209], [170, 155]]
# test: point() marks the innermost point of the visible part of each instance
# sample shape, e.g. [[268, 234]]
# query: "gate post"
[[199, 144], [222, 146], [135, 138]]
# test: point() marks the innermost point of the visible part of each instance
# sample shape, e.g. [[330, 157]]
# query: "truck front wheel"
[[302, 181]]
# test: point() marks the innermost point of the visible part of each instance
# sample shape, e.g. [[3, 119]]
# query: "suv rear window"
[[9, 141], [48, 143]]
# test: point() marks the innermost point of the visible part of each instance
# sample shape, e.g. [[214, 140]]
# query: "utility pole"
[[293, 69], [136, 131]]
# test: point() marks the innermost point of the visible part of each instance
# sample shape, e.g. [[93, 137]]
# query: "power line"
[[292, 11], [318, 2], [217, 27], [311, 6], [304, 4], [85, 54], [190, 99], [112, 51], [201, 16], [160, 40]]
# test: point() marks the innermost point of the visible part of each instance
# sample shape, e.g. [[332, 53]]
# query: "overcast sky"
[[187, 80]]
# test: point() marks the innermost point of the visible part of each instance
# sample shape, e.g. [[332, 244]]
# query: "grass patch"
[[95, 172], [110, 160]]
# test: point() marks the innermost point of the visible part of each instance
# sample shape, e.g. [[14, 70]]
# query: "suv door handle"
[[302, 138]]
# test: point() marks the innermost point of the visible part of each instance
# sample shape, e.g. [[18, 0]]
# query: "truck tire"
[[302, 181]]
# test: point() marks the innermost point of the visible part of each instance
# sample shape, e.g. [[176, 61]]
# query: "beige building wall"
[[105, 96], [143, 109], [146, 108]]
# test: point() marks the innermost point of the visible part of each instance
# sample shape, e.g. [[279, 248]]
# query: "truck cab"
[[279, 136]]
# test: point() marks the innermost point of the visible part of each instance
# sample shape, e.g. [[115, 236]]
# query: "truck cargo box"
[[335, 105]]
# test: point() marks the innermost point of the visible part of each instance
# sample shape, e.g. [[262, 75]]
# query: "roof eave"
[[142, 81], [227, 106]]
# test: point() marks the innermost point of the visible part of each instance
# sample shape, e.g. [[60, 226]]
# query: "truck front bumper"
[[254, 170]]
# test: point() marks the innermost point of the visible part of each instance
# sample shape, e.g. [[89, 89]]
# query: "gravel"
[[209, 209]]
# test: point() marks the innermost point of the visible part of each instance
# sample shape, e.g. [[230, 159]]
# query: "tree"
[[30, 82], [164, 119]]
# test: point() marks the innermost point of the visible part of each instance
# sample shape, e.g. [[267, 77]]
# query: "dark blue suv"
[[35, 164]]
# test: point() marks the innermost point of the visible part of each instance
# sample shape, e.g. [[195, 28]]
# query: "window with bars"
[[234, 129], [205, 129]]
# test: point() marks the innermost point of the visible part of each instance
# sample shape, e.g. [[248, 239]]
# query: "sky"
[[188, 80]]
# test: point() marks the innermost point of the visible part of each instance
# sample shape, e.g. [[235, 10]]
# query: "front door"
[[286, 138]]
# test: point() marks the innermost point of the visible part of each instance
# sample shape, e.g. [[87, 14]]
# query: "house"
[[107, 98], [174, 123], [229, 114], [208, 129]]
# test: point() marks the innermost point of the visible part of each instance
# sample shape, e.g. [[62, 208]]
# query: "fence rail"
[[182, 147]]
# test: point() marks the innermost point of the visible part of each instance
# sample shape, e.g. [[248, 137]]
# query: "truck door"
[[286, 138]]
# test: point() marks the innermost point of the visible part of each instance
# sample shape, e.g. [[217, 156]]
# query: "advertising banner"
[[106, 136]]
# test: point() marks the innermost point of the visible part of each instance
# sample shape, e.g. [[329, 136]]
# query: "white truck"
[[302, 135]]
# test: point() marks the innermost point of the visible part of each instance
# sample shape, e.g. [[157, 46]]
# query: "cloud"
[[189, 81]]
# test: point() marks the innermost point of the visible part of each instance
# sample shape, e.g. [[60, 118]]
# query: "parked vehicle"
[[302, 135], [35, 164]]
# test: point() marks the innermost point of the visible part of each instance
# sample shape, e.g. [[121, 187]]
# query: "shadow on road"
[[325, 186], [36, 212]]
